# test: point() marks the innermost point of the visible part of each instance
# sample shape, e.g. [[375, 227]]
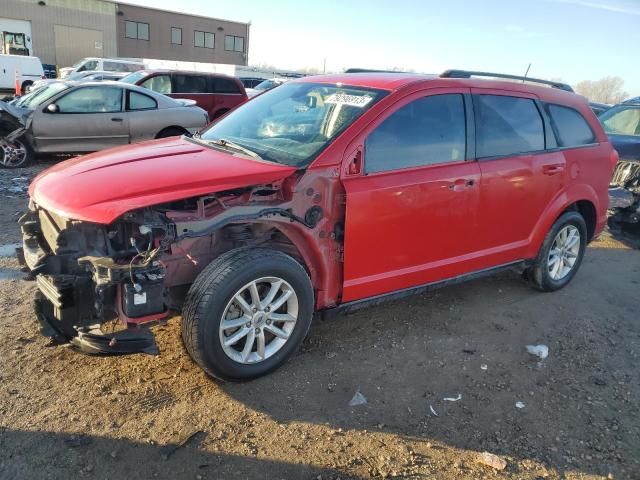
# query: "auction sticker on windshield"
[[350, 100]]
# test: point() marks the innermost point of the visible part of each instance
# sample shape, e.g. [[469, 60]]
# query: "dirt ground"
[[66, 415]]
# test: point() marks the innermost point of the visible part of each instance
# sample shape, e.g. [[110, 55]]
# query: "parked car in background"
[[214, 92], [29, 70], [632, 100], [326, 194], [599, 108], [265, 86], [86, 76], [102, 64], [69, 117], [251, 82]]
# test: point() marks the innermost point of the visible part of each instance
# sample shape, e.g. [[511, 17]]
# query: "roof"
[[175, 70], [395, 81]]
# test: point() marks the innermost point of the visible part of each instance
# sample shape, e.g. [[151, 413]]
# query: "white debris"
[[358, 399], [453, 399], [491, 460], [519, 404], [433, 410], [483, 366], [540, 351]]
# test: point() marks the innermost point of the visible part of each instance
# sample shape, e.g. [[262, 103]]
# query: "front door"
[[86, 119], [411, 196]]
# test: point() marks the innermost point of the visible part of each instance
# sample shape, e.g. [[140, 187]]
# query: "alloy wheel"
[[258, 320], [13, 154], [563, 253]]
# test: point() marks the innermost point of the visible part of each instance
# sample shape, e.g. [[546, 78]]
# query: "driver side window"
[[91, 100]]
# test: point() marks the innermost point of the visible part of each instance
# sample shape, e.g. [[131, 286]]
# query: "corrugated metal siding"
[[96, 14], [73, 43]]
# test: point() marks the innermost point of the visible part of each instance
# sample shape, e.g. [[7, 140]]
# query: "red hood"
[[102, 186]]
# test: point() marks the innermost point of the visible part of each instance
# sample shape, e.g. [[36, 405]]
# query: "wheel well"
[[588, 212], [175, 127]]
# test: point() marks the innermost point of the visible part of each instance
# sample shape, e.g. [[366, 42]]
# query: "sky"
[[571, 40]]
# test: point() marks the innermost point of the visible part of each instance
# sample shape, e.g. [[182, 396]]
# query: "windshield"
[[132, 78], [42, 94], [293, 123], [267, 85], [621, 121]]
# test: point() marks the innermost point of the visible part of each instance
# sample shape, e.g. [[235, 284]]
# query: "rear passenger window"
[[190, 84], [426, 131], [572, 128], [158, 83], [507, 126], [223, 85]]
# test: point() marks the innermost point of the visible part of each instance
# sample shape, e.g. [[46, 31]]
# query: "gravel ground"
[[65, 415]]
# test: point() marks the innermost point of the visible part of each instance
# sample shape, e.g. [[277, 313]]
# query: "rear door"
[[411, 195], [226, 95], [193, 87], [89, 118], [522, 172]]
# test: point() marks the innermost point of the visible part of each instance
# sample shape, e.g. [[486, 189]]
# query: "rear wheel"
[[16, 154], [561, 253], [247, 313]]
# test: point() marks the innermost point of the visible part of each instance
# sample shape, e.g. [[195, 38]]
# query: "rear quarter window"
[[223, 85], [190, 84], [571, 127]]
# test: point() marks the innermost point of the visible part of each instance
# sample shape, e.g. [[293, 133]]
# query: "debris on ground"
[[453, 399], [491, 460], [519, 404], [76, 441], [433, 410], [358, 399], [540, 351], [483, 366], [169, 450]]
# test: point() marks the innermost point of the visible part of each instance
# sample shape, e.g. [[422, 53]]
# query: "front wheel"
[[561, 253], [247, 313], [16, 154]]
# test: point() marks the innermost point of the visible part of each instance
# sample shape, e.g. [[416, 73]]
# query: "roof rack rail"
[[469, 74]]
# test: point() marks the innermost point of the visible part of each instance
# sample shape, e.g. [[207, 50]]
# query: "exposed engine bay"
[[137, 270], [624, 194]]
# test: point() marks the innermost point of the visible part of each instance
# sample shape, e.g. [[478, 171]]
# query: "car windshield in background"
[[621, 120], [42, 94], [132, 78], [291, 124], [267, 85]]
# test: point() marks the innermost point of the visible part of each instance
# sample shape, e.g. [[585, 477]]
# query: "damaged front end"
[[89, 274], [624, 192]]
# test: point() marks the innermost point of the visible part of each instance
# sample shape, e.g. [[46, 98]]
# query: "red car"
[[213, 92], [324, 195]]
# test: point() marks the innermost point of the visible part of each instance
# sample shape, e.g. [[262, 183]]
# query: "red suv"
[[213, 92], [326, 194]]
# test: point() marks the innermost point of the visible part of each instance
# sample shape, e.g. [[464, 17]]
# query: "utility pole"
[[324, 66]]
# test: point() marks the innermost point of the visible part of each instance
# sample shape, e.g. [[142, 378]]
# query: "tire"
[[543, 274], [212, 297], [171, 132], [17, 154]]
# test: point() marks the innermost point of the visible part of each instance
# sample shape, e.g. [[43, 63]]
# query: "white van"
[[29, 69], [103, 64]]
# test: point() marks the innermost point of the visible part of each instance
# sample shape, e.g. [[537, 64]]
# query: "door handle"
[[552, 169], [460, 184], [116, 119]]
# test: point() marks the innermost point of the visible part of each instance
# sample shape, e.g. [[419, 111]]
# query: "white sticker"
[[140, 298], [351, 100]]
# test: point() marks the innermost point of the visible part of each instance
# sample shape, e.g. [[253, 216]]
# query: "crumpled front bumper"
[[65, 303]]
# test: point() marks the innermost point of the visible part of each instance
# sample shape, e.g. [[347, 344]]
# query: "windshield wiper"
[[224, 143]]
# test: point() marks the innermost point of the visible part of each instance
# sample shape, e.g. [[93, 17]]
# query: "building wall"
[[87, 19], [159, 44]]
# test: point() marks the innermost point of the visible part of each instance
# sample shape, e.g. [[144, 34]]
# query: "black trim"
[[469, 112], [349, 307], [469, 74]]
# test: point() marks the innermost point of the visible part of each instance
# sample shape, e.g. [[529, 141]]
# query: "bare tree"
[[606, 90]]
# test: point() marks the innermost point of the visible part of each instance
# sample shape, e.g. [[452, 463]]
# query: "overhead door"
[[73, 44]]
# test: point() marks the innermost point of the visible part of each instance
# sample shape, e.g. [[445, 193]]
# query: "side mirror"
[[52, 108]]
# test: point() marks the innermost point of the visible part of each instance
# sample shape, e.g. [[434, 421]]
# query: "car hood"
[[102, 186]]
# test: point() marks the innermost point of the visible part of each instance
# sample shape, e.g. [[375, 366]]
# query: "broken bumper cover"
[[65, 305]]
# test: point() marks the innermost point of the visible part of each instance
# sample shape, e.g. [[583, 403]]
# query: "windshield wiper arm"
[[222, 142]]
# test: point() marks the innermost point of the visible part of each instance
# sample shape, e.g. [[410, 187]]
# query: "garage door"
[[73, 43]]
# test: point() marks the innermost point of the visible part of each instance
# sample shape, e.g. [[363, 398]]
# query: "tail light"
[[43, 77]]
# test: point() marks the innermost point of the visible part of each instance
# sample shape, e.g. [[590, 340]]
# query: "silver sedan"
[[69, 117]]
